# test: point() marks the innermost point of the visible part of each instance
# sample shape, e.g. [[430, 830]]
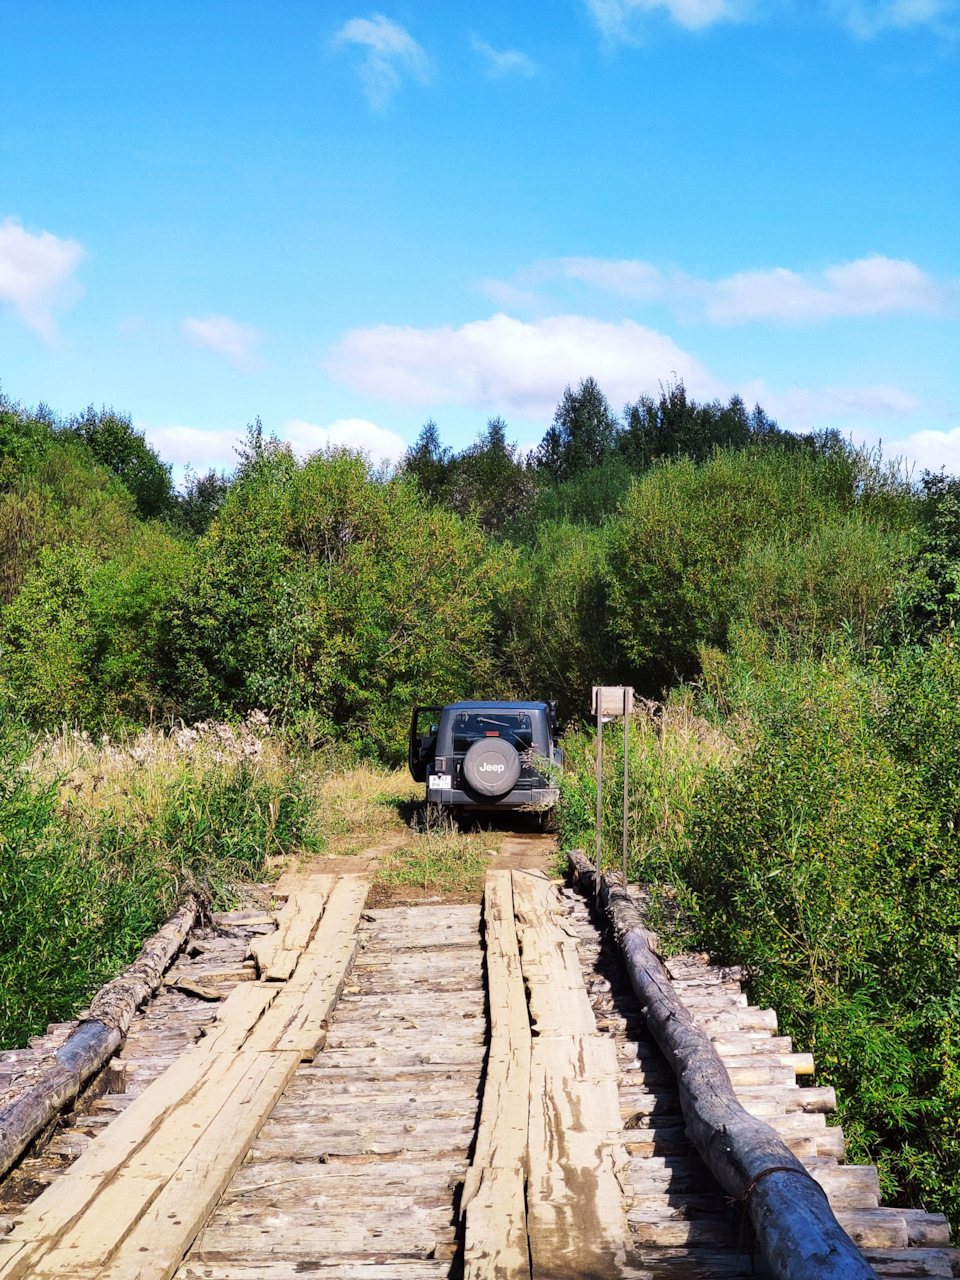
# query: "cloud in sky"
[[622, 20], [501, 63], [867, 18], [872, 286], [807, 408], [37, 275], [180, 445], [389, 53], [509, 364], [928, 450], [238, 342], [346, 433]]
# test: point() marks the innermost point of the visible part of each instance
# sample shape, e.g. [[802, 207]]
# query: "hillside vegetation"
[[785, 603]]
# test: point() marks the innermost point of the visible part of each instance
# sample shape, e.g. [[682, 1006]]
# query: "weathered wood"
[[277, 954], [495, 1222], [297, 1019], [95, 1040], [576, 1219], [796, 1229]]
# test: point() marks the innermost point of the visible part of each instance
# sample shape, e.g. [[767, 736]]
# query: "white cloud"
[[349, 433], [619, 19], [623, 20], [867, 18], [871, 286], [389, 51], [509, 364], [504, 62], [928, 450], [179, 445], [807, 408], [238, 342], [36, 275]]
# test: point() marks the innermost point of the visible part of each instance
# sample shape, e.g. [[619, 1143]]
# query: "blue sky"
[[347, 220]]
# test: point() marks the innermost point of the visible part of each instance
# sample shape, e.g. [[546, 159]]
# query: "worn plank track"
[[357, 1172], [427, 1091]]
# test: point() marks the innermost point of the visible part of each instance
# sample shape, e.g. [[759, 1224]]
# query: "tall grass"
[[99, 841], [816, 840], [671, 747]]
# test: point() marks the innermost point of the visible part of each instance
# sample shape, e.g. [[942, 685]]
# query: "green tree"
[[115, 443], [429, 462], [583, 433]]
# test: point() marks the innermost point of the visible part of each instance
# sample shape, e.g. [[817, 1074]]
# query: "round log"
[[95, 1039], [795, 1228]]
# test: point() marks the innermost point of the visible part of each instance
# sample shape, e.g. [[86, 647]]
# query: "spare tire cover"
[[491, 767]]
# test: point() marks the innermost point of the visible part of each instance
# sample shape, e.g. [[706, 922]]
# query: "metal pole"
[[599, 775], [626, 770]]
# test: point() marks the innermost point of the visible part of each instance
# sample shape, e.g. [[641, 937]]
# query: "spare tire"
[[491, 767]]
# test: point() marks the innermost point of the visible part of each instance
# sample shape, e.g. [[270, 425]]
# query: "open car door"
[[423, 740]]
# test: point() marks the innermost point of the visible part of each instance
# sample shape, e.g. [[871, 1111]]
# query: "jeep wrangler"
[[487, 755]]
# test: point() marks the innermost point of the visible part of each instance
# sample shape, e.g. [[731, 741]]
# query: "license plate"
[[441, 782]]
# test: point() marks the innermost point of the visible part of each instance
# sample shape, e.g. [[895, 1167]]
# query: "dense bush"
[[334, 597], [799, 542]]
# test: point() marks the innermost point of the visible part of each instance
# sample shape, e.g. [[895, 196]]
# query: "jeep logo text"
[[491, 768]]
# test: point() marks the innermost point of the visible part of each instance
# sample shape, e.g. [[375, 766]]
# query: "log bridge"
[[522, 1090]]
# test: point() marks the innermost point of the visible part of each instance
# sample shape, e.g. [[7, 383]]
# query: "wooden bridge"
[[512, 1091]]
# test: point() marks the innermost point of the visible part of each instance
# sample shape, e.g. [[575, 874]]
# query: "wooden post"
[[795, 1227], [599, 781], [627, 708]]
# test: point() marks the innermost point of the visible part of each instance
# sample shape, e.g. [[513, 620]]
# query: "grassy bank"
[[98, 841]]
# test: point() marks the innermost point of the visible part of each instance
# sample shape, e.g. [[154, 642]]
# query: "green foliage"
[[78, 898], [553, 638], [801, 543], [582, 435], [325, 593], [115, 443], [201, 499], [86, 639], [489, 481], [823, 853], [675, 427]]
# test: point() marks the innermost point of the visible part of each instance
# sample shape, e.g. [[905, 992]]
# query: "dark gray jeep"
[[487, 755]]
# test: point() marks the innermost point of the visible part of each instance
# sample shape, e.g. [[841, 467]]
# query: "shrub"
[[786, 538], [326, 592]]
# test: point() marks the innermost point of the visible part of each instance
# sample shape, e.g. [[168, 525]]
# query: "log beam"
[[95, 1040], [795, 1227]]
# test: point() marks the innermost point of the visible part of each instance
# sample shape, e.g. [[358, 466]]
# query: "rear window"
[[514, 727]]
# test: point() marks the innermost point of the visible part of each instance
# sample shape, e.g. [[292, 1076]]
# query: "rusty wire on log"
[[795, 1228], [95, 1039]]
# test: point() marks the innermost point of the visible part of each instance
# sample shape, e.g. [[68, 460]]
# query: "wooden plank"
[[193, 1125], [551, 966], [61, 1206], [575, 1212], [576, 1218], [165, 1232], [278, 954], [297, 1019], [118, 1202], [495, 1225]]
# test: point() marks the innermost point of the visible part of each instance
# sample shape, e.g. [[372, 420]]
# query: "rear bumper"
[[535, 798]]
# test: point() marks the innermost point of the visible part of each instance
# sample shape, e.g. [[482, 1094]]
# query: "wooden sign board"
[[610, 701]]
